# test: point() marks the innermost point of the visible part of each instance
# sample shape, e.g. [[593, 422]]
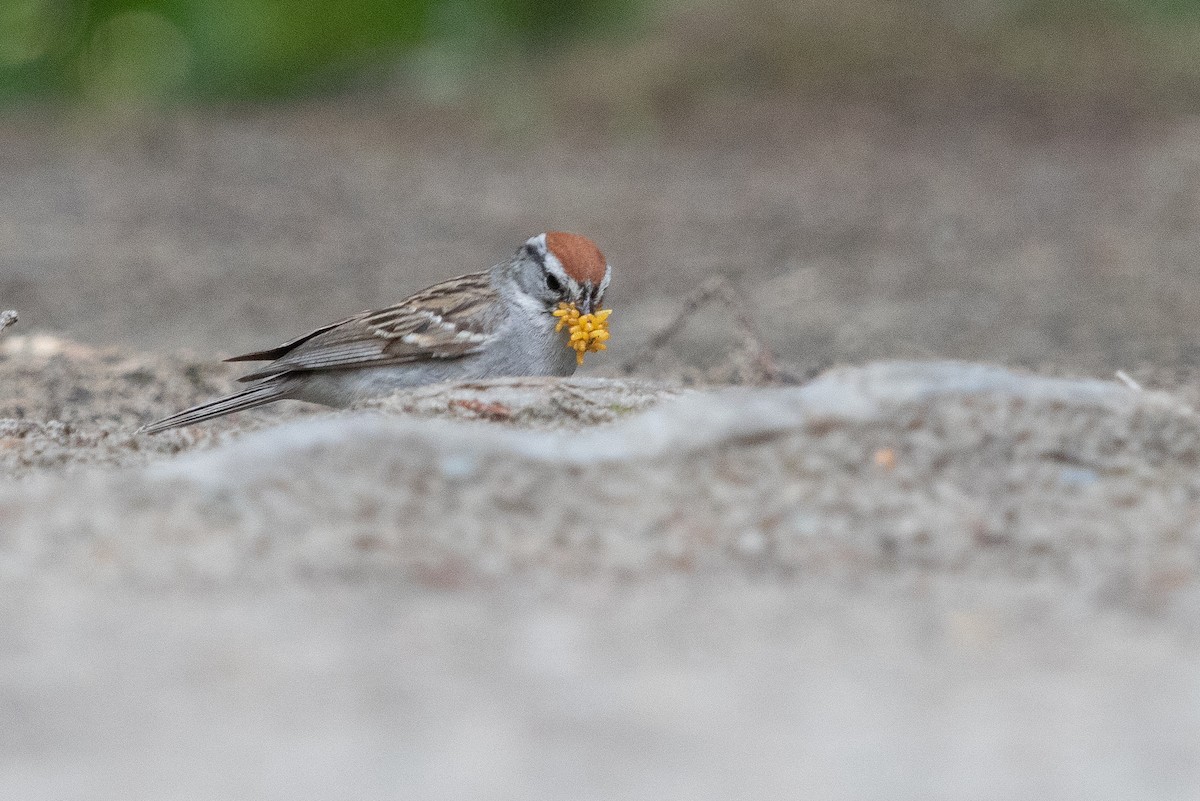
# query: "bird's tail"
[[258, 395]]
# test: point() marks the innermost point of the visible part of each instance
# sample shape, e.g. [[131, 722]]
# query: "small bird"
[[505, 321]]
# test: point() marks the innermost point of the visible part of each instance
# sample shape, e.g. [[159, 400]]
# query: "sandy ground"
[[897, 578]]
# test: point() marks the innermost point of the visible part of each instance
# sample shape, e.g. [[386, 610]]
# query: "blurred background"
[[623, 55], [987, 179]]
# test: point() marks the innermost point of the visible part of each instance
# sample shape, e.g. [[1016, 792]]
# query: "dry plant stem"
[[717, 290], [7, 318], [1125, 379]]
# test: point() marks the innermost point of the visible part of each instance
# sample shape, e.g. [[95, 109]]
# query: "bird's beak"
[[588, 303]]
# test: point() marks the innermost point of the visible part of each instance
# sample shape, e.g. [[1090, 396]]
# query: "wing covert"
[[447, 321]]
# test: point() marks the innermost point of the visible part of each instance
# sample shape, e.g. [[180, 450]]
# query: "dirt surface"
[[897, 578], [858, 233]]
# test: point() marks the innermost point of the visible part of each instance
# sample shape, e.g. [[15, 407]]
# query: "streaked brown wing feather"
[[271, 354], [447, 321]]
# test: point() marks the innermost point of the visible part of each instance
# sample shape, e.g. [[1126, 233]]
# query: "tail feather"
[[246, 399]]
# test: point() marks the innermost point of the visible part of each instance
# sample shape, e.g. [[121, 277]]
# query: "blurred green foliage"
[[137, 49], [112, 51]]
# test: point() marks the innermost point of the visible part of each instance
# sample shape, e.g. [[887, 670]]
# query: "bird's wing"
[[446, 321]]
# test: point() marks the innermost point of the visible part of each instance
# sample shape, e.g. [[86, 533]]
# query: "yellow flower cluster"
[[589, 332]]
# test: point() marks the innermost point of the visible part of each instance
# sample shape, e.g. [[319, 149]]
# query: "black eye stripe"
[[532, 252]]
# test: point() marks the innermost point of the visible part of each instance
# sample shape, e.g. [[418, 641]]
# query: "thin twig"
[[720, 291], [1125, 379]]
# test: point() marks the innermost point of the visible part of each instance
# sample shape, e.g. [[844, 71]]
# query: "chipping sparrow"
[[501, 322]]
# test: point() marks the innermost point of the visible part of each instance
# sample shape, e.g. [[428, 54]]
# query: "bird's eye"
[[553, 284]]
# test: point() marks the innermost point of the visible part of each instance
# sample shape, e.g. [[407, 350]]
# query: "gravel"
[[960, 562], [905, 580]]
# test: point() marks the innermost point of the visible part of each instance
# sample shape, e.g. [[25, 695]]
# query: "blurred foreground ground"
[[900, 582]]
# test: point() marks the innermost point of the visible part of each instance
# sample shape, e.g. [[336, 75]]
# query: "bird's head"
[[567, 276], [558, 267]]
